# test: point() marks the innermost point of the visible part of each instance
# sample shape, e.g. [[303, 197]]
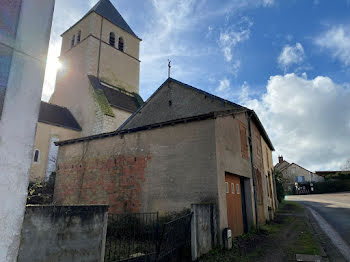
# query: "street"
[[332, 212]]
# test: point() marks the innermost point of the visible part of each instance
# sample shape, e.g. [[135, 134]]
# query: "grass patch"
[[288, 234], [305, 242], [289, 206]]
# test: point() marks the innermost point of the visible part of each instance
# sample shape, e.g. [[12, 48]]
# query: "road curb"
[[316, 232]]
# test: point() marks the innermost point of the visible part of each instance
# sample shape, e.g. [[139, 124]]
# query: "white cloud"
[[224, 85], [337, 41], [224, 89], [233, 35], [291, 55], [268, 2], [306, 119]]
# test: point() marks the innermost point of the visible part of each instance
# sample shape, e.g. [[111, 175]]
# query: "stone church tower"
[[97, 89], [99, 82]]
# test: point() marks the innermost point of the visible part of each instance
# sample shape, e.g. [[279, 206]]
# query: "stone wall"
[[63, 233]]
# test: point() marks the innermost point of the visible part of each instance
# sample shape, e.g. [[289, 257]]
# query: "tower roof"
[[107, 10]]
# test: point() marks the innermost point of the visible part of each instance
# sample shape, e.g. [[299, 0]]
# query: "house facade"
[[96, 89], [293, 173], [182, 146]]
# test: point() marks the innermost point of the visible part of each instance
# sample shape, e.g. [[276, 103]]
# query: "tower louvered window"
[[121, 44], [112, 39]]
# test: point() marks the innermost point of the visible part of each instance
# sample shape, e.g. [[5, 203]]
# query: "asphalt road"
[[332, 212]]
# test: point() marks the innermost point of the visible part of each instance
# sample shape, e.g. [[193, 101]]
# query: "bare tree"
[[346, 166]]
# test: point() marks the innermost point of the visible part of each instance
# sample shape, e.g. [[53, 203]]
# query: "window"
[[238, 189], [300, 179], [121, 44], [36, 156], [232, 188], [73, 41], [227, 188], [293, 170], [112, 39], [78, 37]]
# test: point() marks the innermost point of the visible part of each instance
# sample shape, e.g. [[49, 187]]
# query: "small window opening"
[[227, 188], [232, 188], [121, 44], [73, 41], [238, 189], [79, 36], [36, 156], [112, 39], [170, 102]]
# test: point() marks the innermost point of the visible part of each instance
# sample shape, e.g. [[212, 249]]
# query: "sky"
[[289, 60]]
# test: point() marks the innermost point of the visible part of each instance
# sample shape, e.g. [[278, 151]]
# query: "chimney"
[[280, 159]]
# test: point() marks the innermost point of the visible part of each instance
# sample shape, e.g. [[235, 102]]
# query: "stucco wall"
[[165, 169], [229, 159], [19, 118], [268, 172], [63, 233], [44, 132]]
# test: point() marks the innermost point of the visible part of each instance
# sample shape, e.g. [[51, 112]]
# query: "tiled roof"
[[282, 165], [116, 97], [58, 116]]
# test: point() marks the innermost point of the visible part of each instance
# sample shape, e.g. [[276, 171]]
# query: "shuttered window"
[[243, 136]]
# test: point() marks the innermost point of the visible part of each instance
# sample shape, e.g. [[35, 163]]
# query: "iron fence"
[[175, 238], [131, 236], [140, 238]]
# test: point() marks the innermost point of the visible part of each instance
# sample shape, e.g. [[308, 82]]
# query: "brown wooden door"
[[234, 204]]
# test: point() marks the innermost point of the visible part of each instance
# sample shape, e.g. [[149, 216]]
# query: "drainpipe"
[[249, 115]]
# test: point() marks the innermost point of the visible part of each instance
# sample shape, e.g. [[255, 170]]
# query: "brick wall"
[[116, 181]]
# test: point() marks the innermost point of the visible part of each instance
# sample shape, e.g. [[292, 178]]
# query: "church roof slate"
[[58, 116], [107, 10], [116, 97]]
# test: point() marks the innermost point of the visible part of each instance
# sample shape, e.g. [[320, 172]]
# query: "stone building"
[[293, 173], [182, 146], [25, 27], [97, 88]]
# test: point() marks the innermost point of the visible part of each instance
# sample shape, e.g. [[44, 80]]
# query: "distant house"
[[293, 173]]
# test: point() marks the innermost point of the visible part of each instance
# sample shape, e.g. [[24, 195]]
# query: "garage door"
[[234, 204]]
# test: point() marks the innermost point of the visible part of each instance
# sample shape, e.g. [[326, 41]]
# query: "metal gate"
[[175, 239], [131, 236], [140, 238]]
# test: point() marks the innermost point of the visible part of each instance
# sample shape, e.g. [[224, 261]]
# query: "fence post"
[[203, 229]]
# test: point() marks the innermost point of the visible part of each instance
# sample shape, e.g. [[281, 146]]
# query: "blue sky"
[[288, 60]]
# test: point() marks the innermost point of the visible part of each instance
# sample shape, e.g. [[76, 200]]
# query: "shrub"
[[279, 186], [331, 186]]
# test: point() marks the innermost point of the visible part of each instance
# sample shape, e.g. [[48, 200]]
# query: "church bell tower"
[[100, 56]]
